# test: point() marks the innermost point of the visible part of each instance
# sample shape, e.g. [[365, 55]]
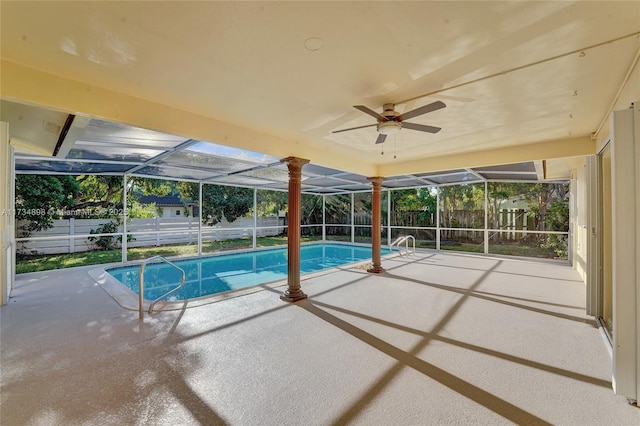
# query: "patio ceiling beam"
[[75, 126], [21, 144], [570, 147], [75, 130], [540, 167]]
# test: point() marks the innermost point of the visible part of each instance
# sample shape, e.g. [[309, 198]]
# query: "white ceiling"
[[510, 73]]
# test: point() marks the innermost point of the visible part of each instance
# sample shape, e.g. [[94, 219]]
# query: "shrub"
[[107, 242]]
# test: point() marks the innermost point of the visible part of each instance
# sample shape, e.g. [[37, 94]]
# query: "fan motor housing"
[[389, 111]]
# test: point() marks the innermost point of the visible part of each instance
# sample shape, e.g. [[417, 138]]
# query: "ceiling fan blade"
[[420, 127], [370, 112], [422, 110], [381, 138], [353, 128]]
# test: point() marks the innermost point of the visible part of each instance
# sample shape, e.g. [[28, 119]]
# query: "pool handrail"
[[141, 285], [404, 239]]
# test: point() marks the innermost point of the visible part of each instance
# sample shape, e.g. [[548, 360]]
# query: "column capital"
[[296, 162], [376, 180]]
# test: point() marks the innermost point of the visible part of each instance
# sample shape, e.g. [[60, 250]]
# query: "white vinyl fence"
[[145, 233]]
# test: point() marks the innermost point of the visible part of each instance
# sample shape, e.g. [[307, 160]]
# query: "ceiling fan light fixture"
[[390, 121], [389, 127]]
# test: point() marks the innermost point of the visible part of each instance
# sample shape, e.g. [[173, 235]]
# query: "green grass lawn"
[[59, 261], [503, 249]]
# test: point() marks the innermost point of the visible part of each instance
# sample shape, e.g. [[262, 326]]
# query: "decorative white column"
[[294, 292]]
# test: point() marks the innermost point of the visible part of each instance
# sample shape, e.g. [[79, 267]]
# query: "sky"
[[225, 151]]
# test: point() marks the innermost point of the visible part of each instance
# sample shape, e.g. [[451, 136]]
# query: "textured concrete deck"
[[437, 339]]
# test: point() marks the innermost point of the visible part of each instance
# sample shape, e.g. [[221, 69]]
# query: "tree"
[[311, 209], [498, 193], [557, 219], [219, 201], [338, 208], [141, 211], [407, 205], [42, 198], [149, 186], [460, 198], [270, 203], [98, 191]]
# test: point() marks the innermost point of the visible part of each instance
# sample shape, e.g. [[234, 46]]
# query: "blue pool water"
[[216, 274]]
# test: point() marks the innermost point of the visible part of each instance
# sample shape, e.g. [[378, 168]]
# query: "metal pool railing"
[[405, 240], [141, 285]]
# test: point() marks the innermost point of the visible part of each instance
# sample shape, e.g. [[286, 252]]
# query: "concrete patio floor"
[[440, 338]]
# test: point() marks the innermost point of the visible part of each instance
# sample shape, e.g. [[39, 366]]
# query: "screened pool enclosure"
[[232, 199]]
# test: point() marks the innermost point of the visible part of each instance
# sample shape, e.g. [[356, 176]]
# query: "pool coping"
[[128, 299]]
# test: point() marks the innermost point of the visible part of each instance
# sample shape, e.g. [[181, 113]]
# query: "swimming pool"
[[216, 274]]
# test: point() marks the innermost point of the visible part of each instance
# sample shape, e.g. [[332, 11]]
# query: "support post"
[[199, 218], [486, 218], [125, 213], [294, 292], [389, 236], [255, 217], [72, 231], [376, 226], [438, 219], [625, 201], [353, 227], [7, 221], [324, 221]]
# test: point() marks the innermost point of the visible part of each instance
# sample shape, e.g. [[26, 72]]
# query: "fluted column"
[[294, 292], [376, 225]]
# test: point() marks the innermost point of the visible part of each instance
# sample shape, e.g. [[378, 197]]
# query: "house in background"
[[171, 205]]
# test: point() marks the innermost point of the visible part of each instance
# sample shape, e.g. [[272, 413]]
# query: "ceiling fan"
[[391, 121]]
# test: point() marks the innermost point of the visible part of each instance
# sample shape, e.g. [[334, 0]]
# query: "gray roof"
[[164, 201]]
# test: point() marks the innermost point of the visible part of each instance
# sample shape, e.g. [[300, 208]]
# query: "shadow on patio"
[[438, 338]]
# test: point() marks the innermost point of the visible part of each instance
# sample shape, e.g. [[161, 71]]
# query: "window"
[[177, 212]]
